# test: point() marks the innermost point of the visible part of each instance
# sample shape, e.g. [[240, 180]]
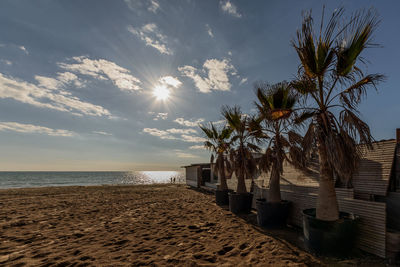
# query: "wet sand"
[[162, 225]]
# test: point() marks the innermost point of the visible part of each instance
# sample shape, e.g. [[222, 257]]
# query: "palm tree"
[[332, 84], [241, 157], [218, 143], [276, 113]]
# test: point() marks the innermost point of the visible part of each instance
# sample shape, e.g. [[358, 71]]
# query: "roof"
[[197, 164], [372, 177]]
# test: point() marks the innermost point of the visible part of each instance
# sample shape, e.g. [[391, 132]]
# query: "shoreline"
[[90, 185]]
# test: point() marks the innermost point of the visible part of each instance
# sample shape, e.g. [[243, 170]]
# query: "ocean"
[[42, 179]]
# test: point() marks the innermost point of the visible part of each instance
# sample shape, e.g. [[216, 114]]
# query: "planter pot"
[[272, 214], [222, 197], [240, 203], [330, 238]]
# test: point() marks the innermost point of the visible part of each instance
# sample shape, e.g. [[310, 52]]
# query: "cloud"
[[47, 82], [192, 139], [102, 133], [47, 97], [159, 133], [102, 69], [181, 131], [170, 81], [30, 128], [181, 154], [24, 49], [68, 77], [63, 79], [243, 81], [188, 123], [7, 62], [151, 35], [230, 8], [159, 116], [197, 147], [209, 31], [216, 75], [175, 134], [154, 6]]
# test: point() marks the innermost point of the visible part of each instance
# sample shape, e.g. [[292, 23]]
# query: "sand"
[[162, 225]]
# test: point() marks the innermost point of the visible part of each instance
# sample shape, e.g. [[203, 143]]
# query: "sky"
[[123, 85]]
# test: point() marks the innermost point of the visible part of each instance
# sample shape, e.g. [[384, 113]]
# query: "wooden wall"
[[393, 210], [372, 214]]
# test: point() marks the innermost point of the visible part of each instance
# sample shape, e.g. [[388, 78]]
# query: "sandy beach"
[[165, 225]]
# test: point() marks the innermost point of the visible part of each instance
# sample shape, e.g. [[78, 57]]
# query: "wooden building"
[[200, 174], [374, 196]]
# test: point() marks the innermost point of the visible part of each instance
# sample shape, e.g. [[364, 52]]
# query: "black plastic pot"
[[222, 197], [240, 203], [272, 214], [330, 238]]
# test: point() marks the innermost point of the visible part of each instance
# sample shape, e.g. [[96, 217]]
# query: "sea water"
[[41, 179]]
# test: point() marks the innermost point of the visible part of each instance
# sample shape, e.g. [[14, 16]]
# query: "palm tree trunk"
[[274, 193], [221, 176], [327, 205], [241, 186]]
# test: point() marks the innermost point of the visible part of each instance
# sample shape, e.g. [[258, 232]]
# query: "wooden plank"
[[372, 214]]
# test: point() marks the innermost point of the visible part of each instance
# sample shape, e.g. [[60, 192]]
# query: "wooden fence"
[[372, 214]]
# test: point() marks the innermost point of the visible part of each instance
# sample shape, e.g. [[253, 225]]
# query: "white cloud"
[[181, 154], [159, 133], [154, 6], [152, 36], [170, 81], [230, 8], [44, 97], [47, 82], [209, 31], [103, 70], [7, 62], [68, 77], [159, 116], [174, 134], [30, 128], [181, 131], [197, 147], [243, 81], [102, 133], [192, 139], [188, 123], [217, 75], [23, 49], [63, 79]]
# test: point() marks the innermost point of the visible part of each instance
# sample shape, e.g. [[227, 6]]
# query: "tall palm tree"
[[276, 113], [218, 143], [332, 85], [241, 157]]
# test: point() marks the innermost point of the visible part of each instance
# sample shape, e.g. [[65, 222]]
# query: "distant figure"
[[171, 179], [174, 179]]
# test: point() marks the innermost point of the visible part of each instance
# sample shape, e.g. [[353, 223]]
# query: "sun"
[[161, 92]]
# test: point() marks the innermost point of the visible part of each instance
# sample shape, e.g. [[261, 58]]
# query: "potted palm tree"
[[275, 104], [241, 158], [332, 84], [218, 143]]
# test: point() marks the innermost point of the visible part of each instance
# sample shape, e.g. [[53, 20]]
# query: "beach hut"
[[200, 174]]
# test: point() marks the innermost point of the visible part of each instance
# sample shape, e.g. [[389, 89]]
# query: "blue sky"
[[77, 77]]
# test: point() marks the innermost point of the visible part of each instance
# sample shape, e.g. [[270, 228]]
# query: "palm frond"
[[354, 93], [356, 37]]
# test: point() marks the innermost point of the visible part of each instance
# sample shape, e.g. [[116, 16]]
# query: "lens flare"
[[161, 92]]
